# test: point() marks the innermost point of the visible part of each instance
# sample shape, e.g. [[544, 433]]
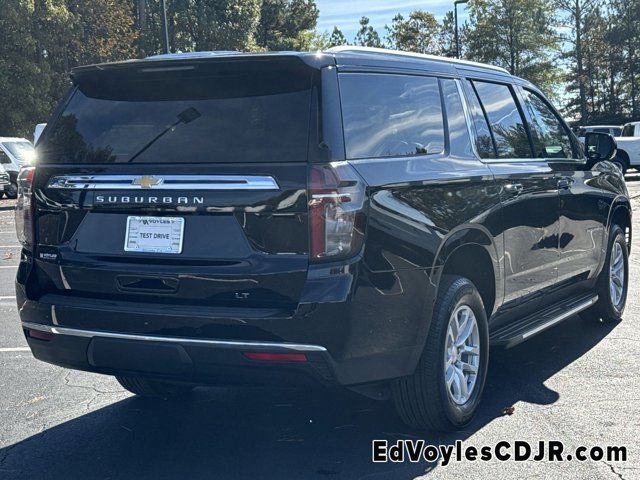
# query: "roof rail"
[[169, 56], [384, 51]]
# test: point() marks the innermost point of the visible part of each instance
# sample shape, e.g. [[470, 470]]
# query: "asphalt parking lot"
[[577, 383]]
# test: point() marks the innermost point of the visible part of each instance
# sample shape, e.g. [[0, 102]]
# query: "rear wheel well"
[[473, 262], [621, 218]]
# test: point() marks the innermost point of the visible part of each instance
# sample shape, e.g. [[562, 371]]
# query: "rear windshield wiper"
[[187, 116]]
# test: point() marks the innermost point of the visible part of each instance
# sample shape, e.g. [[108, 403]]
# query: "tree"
[[518, 35], [447, 36], [418, 33], [337, 38], [625, 15], [367, 36], [103, 31], [577, 12], [286, 24]]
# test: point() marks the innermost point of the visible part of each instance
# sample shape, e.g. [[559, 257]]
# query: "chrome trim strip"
[[468, 118], [150, 338], [559, 318], [164, 182]]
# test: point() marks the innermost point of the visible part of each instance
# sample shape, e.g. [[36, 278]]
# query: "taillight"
[[336, 219], [24, 207]]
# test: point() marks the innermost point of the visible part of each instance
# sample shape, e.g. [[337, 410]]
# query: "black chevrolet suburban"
[[369, 219]]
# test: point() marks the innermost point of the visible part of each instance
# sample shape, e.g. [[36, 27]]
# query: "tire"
[[423, 400], [146, 387], [11, 190], [606, 308], [620, 163]]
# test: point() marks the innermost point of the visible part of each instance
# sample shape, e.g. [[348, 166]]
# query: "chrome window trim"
[[164, 182], [467, 115], [153, 338]]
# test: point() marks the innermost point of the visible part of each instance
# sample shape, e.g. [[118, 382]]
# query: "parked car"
[[38, 131], [14, 153], [613, 130], [361, 218], [4, 180], [629, 146]]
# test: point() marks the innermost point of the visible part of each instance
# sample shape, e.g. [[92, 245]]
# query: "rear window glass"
[[387, 115], [509, 131], [191, 115]]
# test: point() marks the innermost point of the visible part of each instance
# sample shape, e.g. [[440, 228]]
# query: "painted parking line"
[[14, 349], [8, 297], [8, 266]]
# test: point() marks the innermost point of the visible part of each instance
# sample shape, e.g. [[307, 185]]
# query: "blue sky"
[[346, 13]]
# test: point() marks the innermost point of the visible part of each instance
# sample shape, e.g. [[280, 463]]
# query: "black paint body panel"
[[372, 313]]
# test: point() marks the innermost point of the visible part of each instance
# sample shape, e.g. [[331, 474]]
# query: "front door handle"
[[514, 188], [564, 183]]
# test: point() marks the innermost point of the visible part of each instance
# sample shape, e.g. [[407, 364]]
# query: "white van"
[[15, 153]]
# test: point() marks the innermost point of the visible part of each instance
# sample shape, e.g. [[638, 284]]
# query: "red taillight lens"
[[336, 218], [276, 357], [24, 207], [38, 335]]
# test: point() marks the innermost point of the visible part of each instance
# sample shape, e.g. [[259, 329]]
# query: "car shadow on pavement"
[[251, 433]]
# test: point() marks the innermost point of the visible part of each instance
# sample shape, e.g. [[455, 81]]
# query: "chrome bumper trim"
[[196, 341]]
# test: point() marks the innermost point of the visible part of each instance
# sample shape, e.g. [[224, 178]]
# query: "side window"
[[459, 138], [387, 115], [627, 131], [4, 158], [508, 127], [550, 138], [484, 142]]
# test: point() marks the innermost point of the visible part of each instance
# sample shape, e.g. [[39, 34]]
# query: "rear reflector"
[[38, 335], [276, 357]]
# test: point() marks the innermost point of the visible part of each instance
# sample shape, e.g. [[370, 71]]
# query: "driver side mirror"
[[599, 147]]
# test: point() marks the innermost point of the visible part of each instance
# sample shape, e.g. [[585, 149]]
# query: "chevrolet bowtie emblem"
[[147, 181]]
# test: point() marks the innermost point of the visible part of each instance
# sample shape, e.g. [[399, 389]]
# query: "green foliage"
[[518, 35], [287, 24], [337, 38], [418, 33], [367, 36]]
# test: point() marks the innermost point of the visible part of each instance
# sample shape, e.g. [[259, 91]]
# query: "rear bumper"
[[182, 359], [353, 326]]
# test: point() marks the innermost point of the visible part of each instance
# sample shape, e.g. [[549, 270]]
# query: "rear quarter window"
[[389, 115], [506, 122]]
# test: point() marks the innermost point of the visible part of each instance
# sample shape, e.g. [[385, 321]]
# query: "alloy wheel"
[[616, 274], [461, 354]]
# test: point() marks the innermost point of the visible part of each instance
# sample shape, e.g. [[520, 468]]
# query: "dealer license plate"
[[154, 234]]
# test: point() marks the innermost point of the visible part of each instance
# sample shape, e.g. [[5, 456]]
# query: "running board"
[[520, 330]]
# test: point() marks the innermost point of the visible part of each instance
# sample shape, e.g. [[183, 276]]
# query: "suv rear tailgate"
[[220, 147]]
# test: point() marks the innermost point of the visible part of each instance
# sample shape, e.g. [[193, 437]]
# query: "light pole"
[[455, 8], [165, 30]]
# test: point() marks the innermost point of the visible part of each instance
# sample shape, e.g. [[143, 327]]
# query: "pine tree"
[[367, 36], [418, 33], [518, 35]]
